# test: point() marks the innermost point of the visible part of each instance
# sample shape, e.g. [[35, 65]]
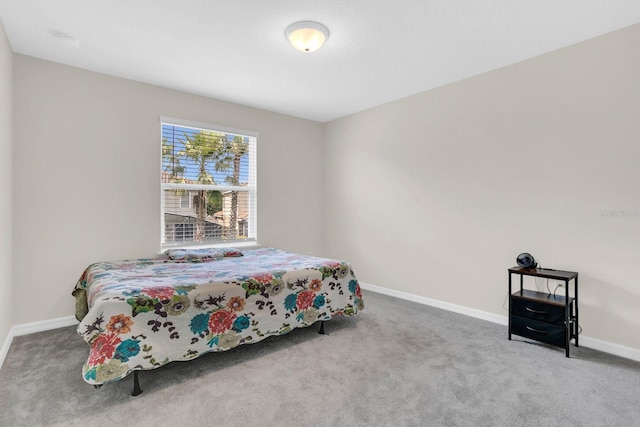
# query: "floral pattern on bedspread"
[[145, 313]]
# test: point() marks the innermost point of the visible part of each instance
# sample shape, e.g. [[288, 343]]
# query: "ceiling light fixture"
[[307, 36]]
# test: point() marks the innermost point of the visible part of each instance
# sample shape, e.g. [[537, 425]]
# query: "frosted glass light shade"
[[307, 36]]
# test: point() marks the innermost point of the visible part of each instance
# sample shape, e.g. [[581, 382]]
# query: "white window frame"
[[252, 186]]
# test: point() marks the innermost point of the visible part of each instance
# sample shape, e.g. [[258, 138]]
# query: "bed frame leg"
[[136, 384], [321, 331]]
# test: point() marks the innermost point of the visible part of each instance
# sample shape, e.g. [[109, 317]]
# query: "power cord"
[[557, 286]]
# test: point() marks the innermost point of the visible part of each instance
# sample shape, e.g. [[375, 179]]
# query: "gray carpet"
[[396, 364]]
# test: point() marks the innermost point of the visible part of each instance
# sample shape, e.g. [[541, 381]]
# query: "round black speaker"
[[526, 260]]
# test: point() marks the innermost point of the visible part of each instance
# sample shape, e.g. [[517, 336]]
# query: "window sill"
[[236, 245]]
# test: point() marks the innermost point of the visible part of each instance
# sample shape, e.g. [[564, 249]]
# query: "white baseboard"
[[594, 343], [610, 347], [484, 315], [5, 348], [31, 328], [44, 325]]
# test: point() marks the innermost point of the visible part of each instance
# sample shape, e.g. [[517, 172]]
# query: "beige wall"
[[87, 176], [434, 194], [437, 193], [6, 186]]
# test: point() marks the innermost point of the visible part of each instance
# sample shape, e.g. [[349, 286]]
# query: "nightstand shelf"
[[544, 317]]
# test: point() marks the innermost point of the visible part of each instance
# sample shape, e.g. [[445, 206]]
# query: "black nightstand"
[[544, 317]]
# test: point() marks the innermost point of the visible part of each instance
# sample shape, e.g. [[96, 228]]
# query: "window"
[[208, 183], [185, 198]]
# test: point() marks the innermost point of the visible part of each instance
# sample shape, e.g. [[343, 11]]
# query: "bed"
[[144, 313]]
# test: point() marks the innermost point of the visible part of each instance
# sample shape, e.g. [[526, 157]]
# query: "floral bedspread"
[[144, 313]]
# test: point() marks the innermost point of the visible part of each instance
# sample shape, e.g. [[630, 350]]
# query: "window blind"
[[208, 181]]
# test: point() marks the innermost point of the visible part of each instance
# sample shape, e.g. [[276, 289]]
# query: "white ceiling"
[[235, 50]]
